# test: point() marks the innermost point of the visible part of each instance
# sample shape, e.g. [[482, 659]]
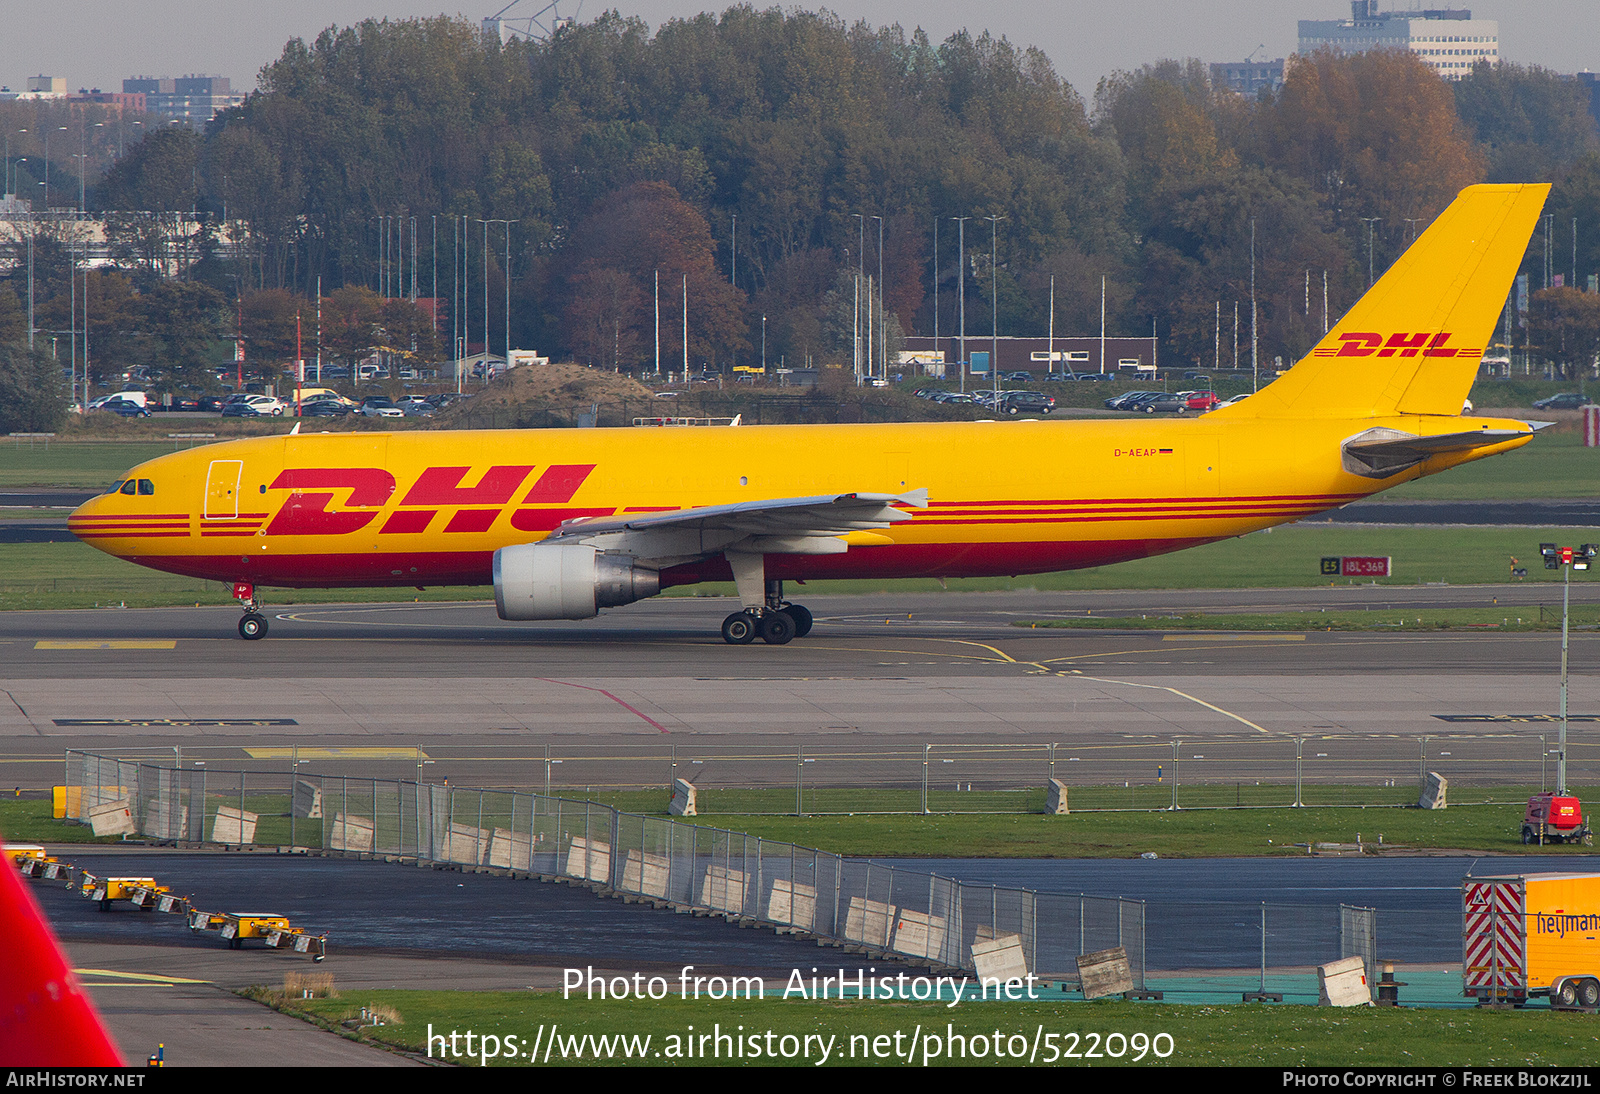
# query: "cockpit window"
[[146, 488], [115, 487], [128, 487]]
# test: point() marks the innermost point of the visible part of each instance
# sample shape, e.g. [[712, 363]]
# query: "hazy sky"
[[97, 44]]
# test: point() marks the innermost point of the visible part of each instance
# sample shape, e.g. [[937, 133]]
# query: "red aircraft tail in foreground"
[[46, 1019]]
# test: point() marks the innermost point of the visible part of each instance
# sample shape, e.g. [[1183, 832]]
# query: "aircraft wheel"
[[1589, 993], [739, 629], [1568, 995], [253, 626], [777, 628], [801, 617], [105, 905]]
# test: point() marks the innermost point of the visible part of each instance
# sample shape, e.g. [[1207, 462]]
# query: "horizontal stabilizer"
[[1379, 453]]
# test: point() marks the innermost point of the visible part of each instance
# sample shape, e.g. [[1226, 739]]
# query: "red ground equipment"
[[1554, 818]]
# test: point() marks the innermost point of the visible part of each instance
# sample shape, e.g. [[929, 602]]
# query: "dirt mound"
[[536, 395]]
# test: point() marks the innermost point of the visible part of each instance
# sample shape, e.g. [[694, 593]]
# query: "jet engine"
[[566, 581]]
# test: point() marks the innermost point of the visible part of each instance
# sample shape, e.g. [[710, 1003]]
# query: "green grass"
[[1104, 823], [1201, 1036], [1516, 618], [52, 576], [30, 820], [1552, 465]]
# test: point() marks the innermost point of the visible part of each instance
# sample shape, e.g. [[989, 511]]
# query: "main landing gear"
[[777, 623], [252, 624]]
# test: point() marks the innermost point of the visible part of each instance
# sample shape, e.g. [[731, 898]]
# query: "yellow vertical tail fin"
[[1412, 344]]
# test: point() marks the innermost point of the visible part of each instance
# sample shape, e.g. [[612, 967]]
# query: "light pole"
[[883, 338], [763, 343], [861, 245], [1567, 559], [961, 292], [1371, 223], [994, 304]]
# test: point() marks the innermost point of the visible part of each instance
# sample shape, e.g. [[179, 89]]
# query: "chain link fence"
[[870, 907]]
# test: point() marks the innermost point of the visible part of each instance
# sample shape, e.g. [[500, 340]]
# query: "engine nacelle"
[[566, 581]]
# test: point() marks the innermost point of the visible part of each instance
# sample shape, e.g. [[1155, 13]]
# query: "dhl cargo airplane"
[[567, 522]]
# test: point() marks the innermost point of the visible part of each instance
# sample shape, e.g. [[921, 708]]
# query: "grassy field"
[[1553, 465], [1196, 1036], [1232, 820], [1536, 618], [73, 575]]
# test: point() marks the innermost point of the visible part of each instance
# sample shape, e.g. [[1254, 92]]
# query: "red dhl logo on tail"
[[369, 489], [1403, 344]]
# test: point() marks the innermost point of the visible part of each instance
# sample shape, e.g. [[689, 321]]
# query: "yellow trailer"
[[1531, 935], [273, 929], [106, 890]]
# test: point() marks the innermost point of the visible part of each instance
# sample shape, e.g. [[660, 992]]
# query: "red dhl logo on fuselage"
[[1403, 344], [313, 490]]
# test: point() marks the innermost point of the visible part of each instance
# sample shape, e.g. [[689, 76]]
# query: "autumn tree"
[[638, 233], [1532, 122], [1564, 326]]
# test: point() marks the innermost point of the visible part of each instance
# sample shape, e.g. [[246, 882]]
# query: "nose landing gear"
[[252, 624]]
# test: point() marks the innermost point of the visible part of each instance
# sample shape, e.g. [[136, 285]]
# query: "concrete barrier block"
[[1434, 792], [919, 934], [1105, 972], [465, 844], [351, 833], [792, 904], [1055, 798], [233, 825], [113, 818], [1343, 983], [649, 875], [869, 921], [589, 859], [682, 799], [307, 800], [510, 850], [722, 889], [162, 821], [999, 959]]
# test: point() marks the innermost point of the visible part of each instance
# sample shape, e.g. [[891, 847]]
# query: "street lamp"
[[1371, 223], [1566, 559], [961, 292], [994, 304], [861, 271], [883, 338]]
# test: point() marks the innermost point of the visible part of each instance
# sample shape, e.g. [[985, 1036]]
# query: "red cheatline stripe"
[[1218, 515], [134, 516], [209, 535], [132, 526], [1141, 501], [131, 535]]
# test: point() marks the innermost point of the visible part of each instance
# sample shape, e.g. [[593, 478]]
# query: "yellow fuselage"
[[430, 508]]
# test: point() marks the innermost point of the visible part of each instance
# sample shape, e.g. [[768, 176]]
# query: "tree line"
[[742, 168]]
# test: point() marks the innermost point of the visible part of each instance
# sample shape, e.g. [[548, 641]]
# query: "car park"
[[1127, 398], [124, 408], [324, 408]]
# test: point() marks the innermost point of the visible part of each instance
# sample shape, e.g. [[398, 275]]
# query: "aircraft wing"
[[819, 524]]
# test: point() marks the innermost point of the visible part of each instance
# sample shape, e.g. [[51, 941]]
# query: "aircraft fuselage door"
[[222, 489]]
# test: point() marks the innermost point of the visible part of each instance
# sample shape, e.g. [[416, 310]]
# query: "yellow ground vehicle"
[[1530, 935], [108, 890]]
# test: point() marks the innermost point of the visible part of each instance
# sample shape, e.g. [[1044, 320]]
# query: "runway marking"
[[89, 723], [1233, 638], [613, 698], [144, 979], [106, 644], [335, 753]]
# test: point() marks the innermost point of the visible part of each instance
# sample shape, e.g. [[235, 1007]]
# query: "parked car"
[[1026, 402], [1202, 400], [1127, 398], [380, 406], [324, 408], [1567, 400], [123, 407]]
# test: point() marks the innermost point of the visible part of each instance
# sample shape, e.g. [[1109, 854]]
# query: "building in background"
[[1448, 40], [191, 100], [1248, 77]]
